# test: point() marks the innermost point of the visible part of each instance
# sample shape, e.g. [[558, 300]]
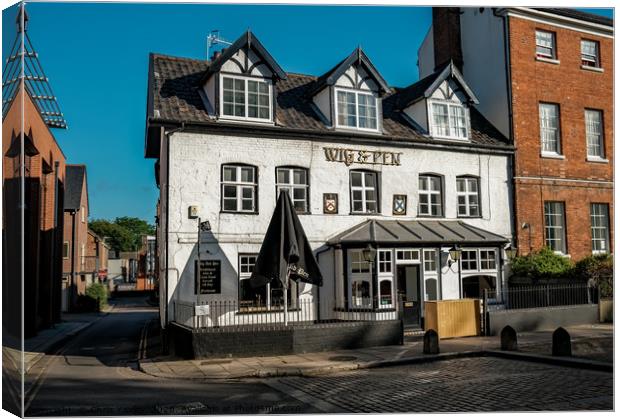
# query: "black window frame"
[[377, 191], [442, 196], [223, 183], [477, 179], [292, 167]]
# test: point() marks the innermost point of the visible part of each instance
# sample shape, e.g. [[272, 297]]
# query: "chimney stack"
[[447, 36]]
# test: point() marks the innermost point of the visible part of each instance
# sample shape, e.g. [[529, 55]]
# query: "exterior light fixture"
[[369, 253], [511, 251], [455, 254]]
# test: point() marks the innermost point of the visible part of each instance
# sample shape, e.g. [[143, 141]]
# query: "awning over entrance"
[[416, 232]]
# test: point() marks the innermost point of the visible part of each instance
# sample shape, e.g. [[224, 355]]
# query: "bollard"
[[561, 343], [431, 342], [508, 339]]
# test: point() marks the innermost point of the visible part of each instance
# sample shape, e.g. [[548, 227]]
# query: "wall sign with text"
[[349, 156], [208, 277]]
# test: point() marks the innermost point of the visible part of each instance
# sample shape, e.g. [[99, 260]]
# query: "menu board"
[[208, 277]]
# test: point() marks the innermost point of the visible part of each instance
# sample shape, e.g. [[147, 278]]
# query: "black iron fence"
[[233, 313], [540, 296]]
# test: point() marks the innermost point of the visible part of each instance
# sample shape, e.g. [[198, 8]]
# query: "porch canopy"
[[394, 232]]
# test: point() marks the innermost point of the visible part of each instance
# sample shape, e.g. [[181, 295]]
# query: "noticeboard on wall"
[[208, 277]]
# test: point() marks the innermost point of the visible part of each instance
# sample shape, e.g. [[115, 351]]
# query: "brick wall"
[[576, 181]]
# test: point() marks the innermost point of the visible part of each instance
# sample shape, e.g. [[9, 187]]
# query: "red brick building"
[[29, 118], [96, 258], [75, 269], [545, 77]]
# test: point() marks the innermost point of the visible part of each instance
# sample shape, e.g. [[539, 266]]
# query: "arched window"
[[295, 181], [239, 187], [430, 195]]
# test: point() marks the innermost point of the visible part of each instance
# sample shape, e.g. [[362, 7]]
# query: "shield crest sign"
[[400, 205], [330, 203]]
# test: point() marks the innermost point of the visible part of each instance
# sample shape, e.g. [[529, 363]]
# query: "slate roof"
[[75, 175], [577, 14], [176, 82], [416, 232]]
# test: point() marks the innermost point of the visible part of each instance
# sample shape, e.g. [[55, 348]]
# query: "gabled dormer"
[[240, 83], [439, 104], [348, 97]]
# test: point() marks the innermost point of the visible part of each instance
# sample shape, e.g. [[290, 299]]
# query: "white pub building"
[[386, 181]]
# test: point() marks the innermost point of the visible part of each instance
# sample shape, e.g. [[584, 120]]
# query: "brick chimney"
[[447, 36]]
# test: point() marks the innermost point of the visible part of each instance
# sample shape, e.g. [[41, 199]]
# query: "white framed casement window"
[[358, 263], [65, 250], [590, 54], [364, 192], [488, 259], [430, 260], [246, 98], [449, 120], [266, 297], [430, 196], [555, 226], [545, 45], [549, 115], [385, 277], [469, 260], [468, 196], [404, 256], [594, 133], [239, 187], [599, 219], [385, 261], [357, 110], [294, 180]]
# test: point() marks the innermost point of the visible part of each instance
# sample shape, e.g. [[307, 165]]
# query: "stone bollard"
[[561, 343], [431, 342], [508, 339]]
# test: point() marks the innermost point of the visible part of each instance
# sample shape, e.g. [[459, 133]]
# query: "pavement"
[[592, 347]]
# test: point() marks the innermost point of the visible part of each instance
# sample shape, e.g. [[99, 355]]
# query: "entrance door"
[[408, 278]]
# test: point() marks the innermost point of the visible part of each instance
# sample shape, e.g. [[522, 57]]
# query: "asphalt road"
[[96, 374]]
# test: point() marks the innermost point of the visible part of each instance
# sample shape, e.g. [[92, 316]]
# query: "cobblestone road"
[[458, 385]]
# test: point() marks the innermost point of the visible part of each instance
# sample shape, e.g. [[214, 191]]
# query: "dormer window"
[[246, 98], [449, 120], [356, 110]]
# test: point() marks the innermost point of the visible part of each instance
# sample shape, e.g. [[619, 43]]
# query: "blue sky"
[[96, 57]]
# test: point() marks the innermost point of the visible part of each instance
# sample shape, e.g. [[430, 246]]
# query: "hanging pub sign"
[[349, 156], [208, 277]]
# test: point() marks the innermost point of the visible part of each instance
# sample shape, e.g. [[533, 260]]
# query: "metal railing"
[[540, 296], [300, 311]]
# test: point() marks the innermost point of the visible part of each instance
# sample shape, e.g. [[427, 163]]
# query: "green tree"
[[136, 227], [124, 233]]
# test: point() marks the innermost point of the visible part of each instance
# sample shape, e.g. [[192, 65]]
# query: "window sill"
[[552, 156], [548, 60], [247, 121], [430, 216], [362, 213], [597, 160], [469, 216], [595, 69], [239, 212]]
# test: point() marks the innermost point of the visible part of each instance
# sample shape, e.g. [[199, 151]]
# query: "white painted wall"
[[426, 55], [484, 68], [195, 167]]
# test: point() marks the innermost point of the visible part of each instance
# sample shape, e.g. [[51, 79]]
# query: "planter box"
[[606, 310], [453, 318]]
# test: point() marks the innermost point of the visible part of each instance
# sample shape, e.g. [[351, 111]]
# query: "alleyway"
[[95, 374]]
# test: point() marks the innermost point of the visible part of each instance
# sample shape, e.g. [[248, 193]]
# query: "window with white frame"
[[356, 110], [545, 44], [430, 260], [469, 260], [385, 261], [594, 133], [549, 115], [248, 295], [487, 259], [449, 120], [65, 250], [555, 228], [360, 293], [430, 199], [246, 98], [364, 192], [239, 188], [468, 197], [590, 53], [599, 218], [358, 263], [407, 255], [295, 182]]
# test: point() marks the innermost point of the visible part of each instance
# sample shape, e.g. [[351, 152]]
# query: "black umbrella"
[[285, 252]]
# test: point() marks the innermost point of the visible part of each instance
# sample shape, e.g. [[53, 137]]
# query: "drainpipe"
[[53, 241], [73, 285]]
